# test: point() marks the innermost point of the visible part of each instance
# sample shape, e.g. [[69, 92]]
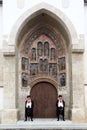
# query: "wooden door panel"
[[44, 95]]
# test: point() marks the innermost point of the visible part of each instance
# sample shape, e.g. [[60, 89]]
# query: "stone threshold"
[[44, 124]]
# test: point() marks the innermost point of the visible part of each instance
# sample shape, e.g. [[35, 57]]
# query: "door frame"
[[44, 79]]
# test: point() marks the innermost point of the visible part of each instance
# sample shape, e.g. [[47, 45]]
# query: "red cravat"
[[60, 100], [28, 101]]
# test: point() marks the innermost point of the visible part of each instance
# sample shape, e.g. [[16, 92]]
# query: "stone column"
[[78, 104], [9, 114]]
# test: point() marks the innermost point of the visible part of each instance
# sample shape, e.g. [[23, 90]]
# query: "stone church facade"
[[43, 57]]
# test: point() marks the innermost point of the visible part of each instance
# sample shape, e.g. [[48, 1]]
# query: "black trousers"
[[28, 113], [60, 111]]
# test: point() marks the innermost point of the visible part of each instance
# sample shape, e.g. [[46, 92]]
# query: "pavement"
[[44, 124]]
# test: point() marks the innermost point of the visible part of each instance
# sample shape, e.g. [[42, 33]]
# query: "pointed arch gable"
[[35, 11]]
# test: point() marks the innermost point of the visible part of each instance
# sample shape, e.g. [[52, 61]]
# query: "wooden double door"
[[44, 96]]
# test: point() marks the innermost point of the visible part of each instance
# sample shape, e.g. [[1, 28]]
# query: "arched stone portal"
[[39, 16], [44, 51], [44, 95]]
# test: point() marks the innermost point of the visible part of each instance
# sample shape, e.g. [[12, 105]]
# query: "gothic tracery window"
[[46, 49], [33, 53], [52, 51], [40, 49]]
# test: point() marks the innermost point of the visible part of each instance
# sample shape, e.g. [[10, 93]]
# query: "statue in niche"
[[33, 69], [61, 51], [26, 51], [43, 65], [33, 53], [59, 63], [40, 48], [25, 63], [62, 78], [24, 79], [53, 70], [46, 49], [62, 63], [50, 71]]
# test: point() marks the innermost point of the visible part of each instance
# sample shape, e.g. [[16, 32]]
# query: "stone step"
[[44, 124]]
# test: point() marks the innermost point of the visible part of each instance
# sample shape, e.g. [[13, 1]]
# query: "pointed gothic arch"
[[55, 13], [53, 19], [68, 31]]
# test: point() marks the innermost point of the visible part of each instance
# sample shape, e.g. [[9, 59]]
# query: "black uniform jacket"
[[58, 109], [29, 111]]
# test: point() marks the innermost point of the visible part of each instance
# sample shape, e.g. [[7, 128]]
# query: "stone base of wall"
[[0, 115], [86, 115], [9, 116], [78, 115], [67, 113]]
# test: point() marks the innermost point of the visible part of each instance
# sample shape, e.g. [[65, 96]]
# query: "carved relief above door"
[[43, 55]]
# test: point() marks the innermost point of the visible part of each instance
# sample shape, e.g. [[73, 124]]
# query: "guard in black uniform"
[[29, 104], [60, 105]]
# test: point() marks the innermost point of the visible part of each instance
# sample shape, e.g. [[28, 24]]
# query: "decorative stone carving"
[[33, 69], [46, 49], [24, 79], [46, 56], [33, 53], [62, 79], [25, 63], [49, 34], [62, 63]]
